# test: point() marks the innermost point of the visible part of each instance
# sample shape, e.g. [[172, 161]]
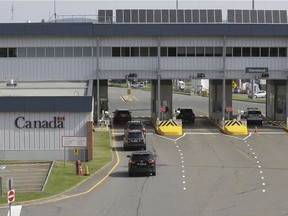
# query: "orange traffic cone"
[[256, 129]]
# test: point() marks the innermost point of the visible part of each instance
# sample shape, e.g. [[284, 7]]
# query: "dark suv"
[[185, 114], [142, 162], [121, 116], [134, 139], [134, 125], [253, 116]]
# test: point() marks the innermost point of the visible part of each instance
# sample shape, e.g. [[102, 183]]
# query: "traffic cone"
[[86, 171], [256, 129]]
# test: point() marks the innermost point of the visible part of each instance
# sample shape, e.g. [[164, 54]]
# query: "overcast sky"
[[36, 10]]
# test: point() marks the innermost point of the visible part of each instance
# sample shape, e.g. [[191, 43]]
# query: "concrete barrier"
[[169, 128], [235, 127]]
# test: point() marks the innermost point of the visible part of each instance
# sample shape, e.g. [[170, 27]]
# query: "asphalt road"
[[202, 173]]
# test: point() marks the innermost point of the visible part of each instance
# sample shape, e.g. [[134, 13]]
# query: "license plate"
[[142, 164]]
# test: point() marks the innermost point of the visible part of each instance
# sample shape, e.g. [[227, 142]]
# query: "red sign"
[[228, 109], [11, 196], [163, 109]]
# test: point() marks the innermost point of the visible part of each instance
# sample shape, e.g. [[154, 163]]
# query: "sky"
[[38, 10]]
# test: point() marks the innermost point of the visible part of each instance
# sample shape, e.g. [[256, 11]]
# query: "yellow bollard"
[[86, 171]]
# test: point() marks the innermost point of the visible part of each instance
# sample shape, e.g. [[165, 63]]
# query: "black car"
[[142, 162], [185, 114], [253, 116], [121, 116], [134, 125], [134, 139]]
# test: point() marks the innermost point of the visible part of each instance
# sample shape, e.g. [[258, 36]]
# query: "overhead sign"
[[256, 69], [11, 196], [73, 141]]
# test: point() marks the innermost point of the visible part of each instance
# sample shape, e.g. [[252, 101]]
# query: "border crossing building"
[[54, 74]]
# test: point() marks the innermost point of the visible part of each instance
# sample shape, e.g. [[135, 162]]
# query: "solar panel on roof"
[[276, 16], [268, 16], [238, 16], [187, 16], [165, 16], [203, 16], [218, 16], [127, 17], [180, 16], [150, 16], [157, 16], [119, 16], [172, 16], [211, 16], [142, 16], [245, 16], [134, 16], [261, 16], [253, 16], [230, 16], [283, 16]]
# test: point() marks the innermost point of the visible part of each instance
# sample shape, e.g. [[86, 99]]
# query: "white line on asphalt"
[[15, 210]]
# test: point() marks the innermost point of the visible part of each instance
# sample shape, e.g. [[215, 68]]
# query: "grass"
[[63, 177]]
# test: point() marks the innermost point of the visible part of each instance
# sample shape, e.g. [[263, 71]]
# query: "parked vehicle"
[[185, 114], [142, 162], [121, 116], [253, 116], [134, 139], [137, 85], [134, 125]]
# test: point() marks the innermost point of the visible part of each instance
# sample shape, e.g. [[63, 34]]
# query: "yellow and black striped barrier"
[[169, 127], [235, 127]]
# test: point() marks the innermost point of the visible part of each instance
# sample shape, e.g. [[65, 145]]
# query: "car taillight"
[[150, 161], [132, 161]]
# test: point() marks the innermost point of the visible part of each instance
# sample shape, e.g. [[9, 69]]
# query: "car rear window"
[[135, 135], [254, 112], [141, 157], [186, 110]]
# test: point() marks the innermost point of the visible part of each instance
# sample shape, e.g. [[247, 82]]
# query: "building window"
[[59, 52], [3, 52], [264, 52], [236, 51], [50, 52], [229, 52], [87, 51], [282, 52], [31, 52], [68, 51], [255, 51], [181, 51], [190, 51], [171, 51], [153, 52], [12, 52], [134, 51], [246, 52], [199, 51], [40, 52], [125, 51], [218, 51], [115, 51], [273, 52], [22, 52], [164, 51], [143, 51], [78, 52], [209, 51]]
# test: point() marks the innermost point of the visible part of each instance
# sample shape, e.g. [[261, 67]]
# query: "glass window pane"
[[106, 51], [153, 51], [50, 52], [229, 51], [171, 51], [95, 51], [59, 52], [68, 51], [144, 51], [116, 51], [199, 51], [77, 51], [87, 51], [264, 52], [190, 51], [218, 51], [273, 52], [125, 51], [3, 52], [282, 52], [237, 51], [40, 52], [209, 51], [22, 52], [181, 51], [31, 52], [134, 51], [255, 51], [12, 52], [164, 51], [246, 51]]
